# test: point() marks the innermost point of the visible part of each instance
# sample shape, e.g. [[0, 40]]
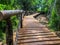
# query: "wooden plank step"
[[42, 43], [29, 33], [34, 29], [32, 26], [39, 40], [41, 29], [41, 34], [32, 32], [33, 37]]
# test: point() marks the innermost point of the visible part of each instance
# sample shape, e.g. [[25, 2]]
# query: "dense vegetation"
[[50, 7], [54, 21]]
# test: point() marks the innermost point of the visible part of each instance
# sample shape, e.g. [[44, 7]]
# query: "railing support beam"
[[21, 21], [9, 32]]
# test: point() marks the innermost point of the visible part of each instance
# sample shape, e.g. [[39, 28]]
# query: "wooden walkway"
[[34, 33]]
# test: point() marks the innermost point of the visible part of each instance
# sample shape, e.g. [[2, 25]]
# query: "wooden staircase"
[[34, 33]]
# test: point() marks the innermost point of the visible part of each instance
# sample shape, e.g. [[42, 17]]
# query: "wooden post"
[[21, 21], [9, 32]]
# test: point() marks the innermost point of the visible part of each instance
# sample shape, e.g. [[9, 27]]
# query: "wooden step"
[[39, 29], [39, 40], [42, 43], [26, 35], [35, 33], [33, 37], [31, 32]]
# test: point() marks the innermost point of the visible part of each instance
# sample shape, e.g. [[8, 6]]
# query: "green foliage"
[[54, 22], [14, 22], [2, 7], [1, 35], [7, 5], [54, 12], [31, 5], [53, 19]]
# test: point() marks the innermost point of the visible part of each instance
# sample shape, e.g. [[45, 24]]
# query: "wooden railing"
[[6, 16]]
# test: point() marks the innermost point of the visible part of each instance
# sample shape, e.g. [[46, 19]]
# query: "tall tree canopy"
[[28, 4]]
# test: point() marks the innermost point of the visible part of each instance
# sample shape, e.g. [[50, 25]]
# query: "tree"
[[28, 4]]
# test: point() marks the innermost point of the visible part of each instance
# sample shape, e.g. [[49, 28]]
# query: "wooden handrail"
[[7, 13]]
